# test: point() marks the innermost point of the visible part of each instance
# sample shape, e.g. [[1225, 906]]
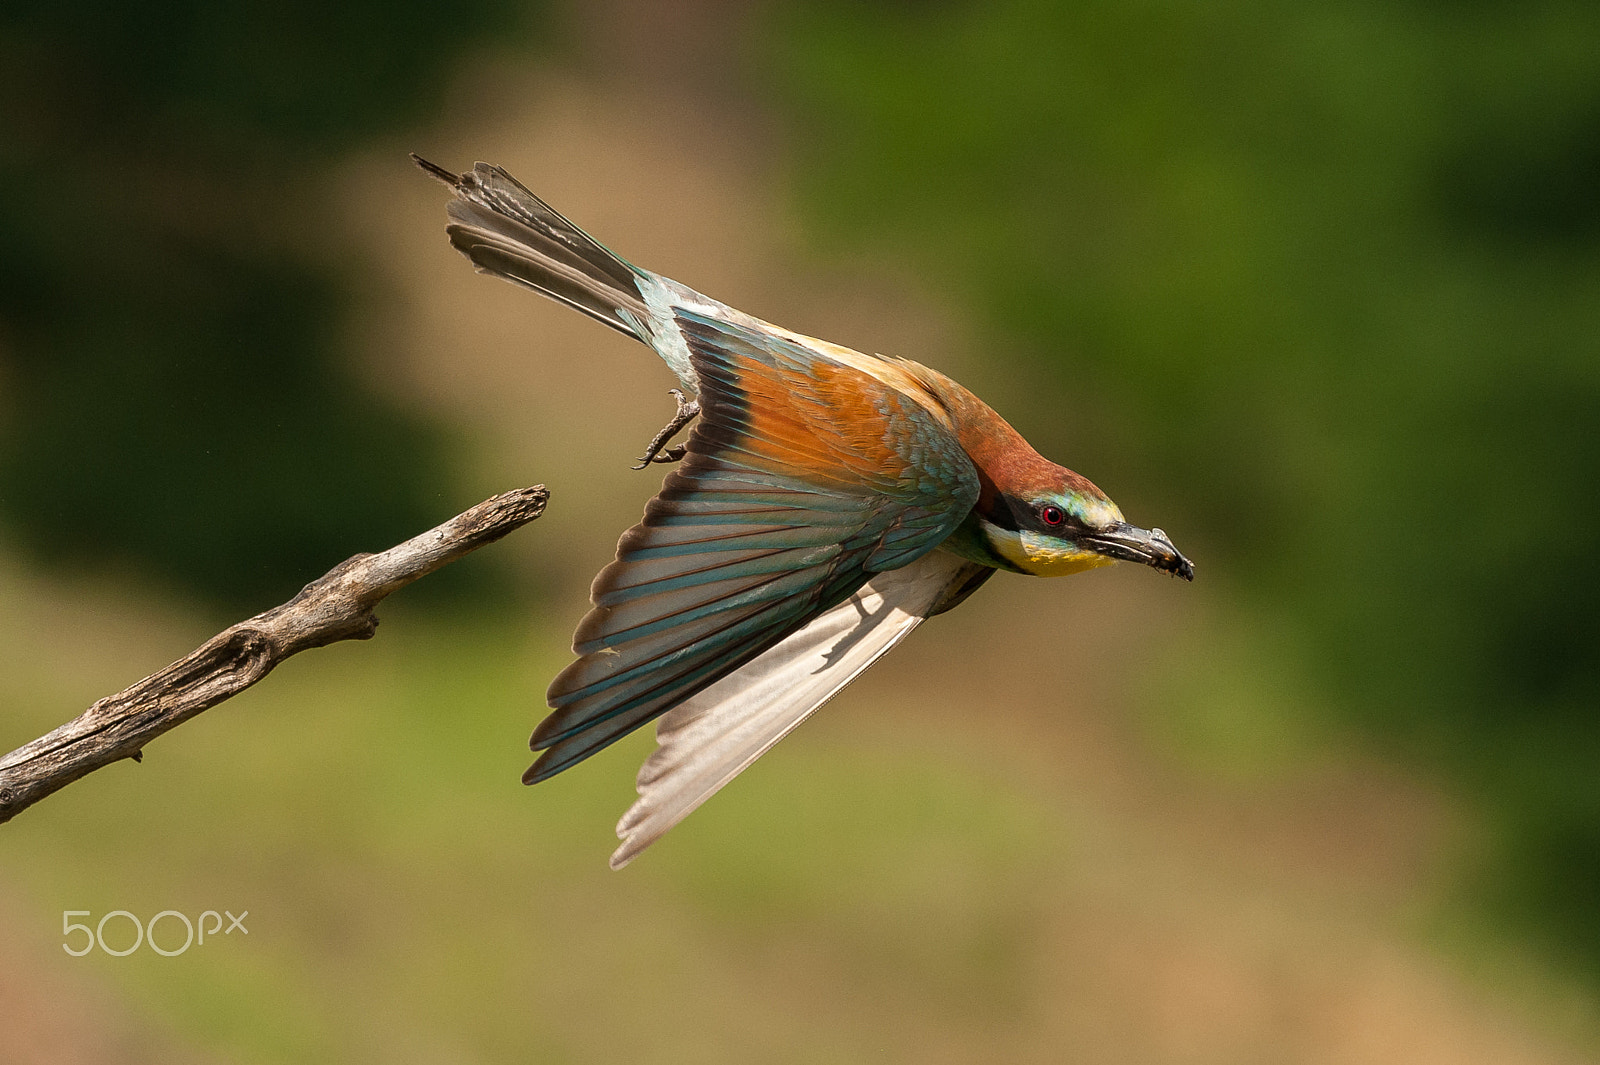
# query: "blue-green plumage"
[[745, 544]]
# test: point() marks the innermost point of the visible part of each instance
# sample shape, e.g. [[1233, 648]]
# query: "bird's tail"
[[509, 232]]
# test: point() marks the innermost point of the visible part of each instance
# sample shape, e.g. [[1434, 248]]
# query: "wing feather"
[[711, 737], [803, 478]]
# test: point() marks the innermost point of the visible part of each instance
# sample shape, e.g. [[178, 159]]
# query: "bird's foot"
[[658, 451]]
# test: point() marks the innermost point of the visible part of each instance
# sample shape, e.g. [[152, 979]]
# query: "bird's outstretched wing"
[[709, 738], [805, 476]]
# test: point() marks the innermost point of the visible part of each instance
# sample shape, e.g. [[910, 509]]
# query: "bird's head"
[[1060, 523], [1033, 516]]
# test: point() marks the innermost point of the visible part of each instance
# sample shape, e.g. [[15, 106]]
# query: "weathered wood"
[[337, 606]]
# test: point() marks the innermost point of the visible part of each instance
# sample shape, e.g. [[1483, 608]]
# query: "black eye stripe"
[[1015, 515]]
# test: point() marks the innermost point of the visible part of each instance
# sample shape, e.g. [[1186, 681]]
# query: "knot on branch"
[[245, 652]]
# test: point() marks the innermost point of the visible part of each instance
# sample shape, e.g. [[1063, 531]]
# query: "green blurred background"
[[1315, 286]]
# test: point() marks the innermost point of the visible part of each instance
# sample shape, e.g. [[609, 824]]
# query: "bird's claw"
[[658, 451]]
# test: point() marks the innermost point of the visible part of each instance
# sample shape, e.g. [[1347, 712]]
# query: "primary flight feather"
[[826, 503]]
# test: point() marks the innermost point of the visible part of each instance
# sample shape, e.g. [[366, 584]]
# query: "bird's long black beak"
[[1133, 544]]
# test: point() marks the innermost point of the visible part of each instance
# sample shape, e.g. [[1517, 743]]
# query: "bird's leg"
[[658, 451]]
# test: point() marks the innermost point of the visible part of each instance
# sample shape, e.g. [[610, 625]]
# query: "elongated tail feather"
[[509, 232]]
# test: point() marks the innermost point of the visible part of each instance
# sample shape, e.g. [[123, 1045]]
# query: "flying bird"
[[824, 505]]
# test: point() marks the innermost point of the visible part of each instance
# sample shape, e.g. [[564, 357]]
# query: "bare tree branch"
[[337, 606]]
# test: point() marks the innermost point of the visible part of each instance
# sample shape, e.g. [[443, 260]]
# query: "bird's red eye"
[[1052, 515]]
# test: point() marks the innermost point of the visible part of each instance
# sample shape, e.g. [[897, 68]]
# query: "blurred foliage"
[[174, 399], [1323, 277]]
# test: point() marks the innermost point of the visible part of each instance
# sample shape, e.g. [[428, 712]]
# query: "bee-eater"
[[827, 503]]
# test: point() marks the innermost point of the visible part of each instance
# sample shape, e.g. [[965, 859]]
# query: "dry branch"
[[337, 606]]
